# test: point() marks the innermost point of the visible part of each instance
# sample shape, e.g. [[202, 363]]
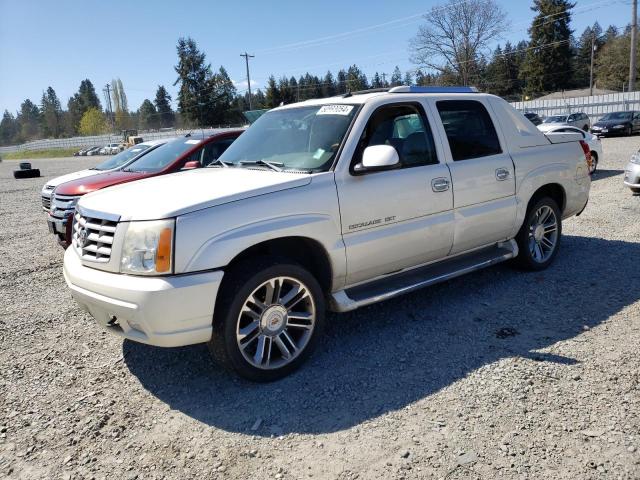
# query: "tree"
[[341, 82], [120, 105], [79, 103], [356, 80], [194, 76], [93, 122], [166, 117], [456, 35], [51, 114], [408, 78], [220, 94], [328, 85], [502, 72], [272, 95], [612, 63], [396, 77], [9, 129], [147, 115], [582, 60], [29, 120], [547, 65]]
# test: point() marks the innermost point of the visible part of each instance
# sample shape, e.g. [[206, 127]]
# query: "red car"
[[183, 153]]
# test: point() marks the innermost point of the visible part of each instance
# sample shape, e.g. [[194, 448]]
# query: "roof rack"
[[414, 89], [362, 92]]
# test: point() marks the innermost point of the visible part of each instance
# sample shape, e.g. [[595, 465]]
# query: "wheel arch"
[[305, 251], [552, 190]]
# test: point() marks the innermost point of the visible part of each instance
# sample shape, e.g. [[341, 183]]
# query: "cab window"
[[469, 128], [404, 127]]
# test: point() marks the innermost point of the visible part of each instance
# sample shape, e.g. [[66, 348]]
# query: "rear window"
[[469, 129]]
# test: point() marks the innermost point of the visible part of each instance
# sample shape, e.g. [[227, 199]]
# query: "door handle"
[[440, 184], [502, 174]]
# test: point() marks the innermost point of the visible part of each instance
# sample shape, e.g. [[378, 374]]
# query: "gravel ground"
[[495, 374]]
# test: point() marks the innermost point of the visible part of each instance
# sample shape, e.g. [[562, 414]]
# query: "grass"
[[32, 154]]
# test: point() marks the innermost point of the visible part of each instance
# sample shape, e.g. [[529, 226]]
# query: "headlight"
[[618, 126], [148, 248], [635, 158]]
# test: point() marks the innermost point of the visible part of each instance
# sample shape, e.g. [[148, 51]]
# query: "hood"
[[184, 192], [54, 182], [610, 123], [96, 182], [548, 126]]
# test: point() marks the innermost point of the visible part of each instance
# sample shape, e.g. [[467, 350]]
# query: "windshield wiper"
[[276, 166], [219, 162]]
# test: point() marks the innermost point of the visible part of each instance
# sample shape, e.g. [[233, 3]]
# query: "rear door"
[[482, 173]]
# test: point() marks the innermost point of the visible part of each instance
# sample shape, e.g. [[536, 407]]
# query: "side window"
[[194, 157], [469, 129], [212, 151], [404, 127]]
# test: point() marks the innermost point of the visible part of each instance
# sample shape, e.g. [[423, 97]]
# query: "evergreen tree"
[[408, 79], [272, 95], [610, 34], [582, 60], [194, 75], [9, 129], [328, 85], [612, 63], [147, 116], [341, 82], [356, 80], [421, 79], [376, 81], [396, 77], [221, 93], [547, 66], [166, 117], [87, 95], [29, 120], [78, 104], [51, 114]]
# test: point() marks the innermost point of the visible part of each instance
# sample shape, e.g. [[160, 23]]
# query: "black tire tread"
[[30, 173], [523, 260]]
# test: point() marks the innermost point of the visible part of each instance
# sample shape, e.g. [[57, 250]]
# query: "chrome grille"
[[93, 237], [62, 206], [46, 203]]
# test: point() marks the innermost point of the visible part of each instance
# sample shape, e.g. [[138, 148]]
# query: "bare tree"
[[456, 36]]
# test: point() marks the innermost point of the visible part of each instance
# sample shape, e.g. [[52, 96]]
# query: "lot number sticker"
[[335, 110]]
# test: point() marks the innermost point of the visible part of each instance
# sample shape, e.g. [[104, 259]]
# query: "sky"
[[58, 44]]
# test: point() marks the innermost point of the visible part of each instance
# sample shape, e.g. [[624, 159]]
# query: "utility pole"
[[246, 60], [384, 79], [634, 32], [593, 49], [107, 90]]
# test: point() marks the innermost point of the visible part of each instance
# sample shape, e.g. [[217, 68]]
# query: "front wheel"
[[539, 237], [268, 319], [593, 165]]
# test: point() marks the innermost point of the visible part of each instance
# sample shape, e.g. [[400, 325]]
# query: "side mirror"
[[191, 165], [377, 158]]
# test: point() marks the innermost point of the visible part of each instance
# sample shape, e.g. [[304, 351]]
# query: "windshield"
[[617, 116], [300, 138], [556, 119], [160, 158], [122, 158]]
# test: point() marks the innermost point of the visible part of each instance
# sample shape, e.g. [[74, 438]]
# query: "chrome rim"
[[543, 234], [593, 163], [275, 323]]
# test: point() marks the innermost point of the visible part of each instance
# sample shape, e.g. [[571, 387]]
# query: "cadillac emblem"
[[82, 237]]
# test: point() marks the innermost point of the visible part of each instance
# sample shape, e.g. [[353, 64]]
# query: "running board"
[[414, 279]]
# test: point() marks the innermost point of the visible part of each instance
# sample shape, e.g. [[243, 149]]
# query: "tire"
[[25, 166], [594, 163], [635, 190], [31, 173], [585, 128], [535, 254], [267, 327]]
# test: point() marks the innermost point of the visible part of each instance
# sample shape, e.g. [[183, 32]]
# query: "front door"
[[398, 218], [482, 173]]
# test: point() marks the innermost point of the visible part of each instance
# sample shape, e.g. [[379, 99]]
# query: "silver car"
[[579, 119], [632, 173]]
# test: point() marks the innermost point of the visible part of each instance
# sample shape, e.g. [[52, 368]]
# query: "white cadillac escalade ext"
[[336, 203]]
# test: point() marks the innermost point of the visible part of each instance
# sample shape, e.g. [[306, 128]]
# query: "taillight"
[[587, 153]]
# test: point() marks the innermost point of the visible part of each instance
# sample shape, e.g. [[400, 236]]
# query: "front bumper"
[[632, 175], [604, 131], [61, 228], [162, 311]]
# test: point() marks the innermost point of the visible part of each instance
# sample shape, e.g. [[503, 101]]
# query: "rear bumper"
[[162, 311]]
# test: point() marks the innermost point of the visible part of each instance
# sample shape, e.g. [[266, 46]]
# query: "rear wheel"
[[594, 163], [539, 237], [635, 190], [269, 318]]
